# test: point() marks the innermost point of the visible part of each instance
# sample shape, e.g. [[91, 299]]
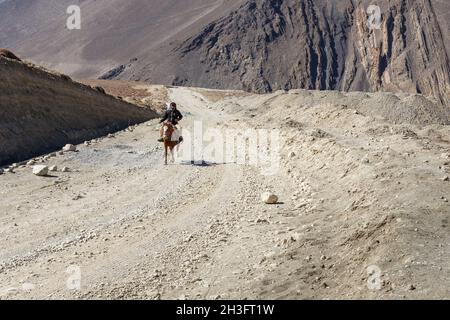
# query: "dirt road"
[[363, 210], [132, 227]]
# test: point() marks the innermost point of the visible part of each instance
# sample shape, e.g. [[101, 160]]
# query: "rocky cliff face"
[[285, 44]]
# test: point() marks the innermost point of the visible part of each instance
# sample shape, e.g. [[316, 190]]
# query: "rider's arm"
[[179, 115], [166, 115]]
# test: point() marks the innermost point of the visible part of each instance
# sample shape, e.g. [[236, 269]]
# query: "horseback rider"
[[173, 116]]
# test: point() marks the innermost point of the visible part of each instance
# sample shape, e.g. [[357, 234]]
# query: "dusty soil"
[[153, 97], [356, 192]]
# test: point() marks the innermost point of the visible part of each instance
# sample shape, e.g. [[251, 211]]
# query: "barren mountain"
[[285, 44], [113, 32], [253, 45], [41, 111]]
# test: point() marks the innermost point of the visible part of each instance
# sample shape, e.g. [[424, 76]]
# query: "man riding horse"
[[172, 116], [169, 131]]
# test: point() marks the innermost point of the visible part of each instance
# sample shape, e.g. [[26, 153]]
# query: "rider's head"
[[173, 106]]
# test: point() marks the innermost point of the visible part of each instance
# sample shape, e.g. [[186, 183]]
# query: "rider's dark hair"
[[173, 104]]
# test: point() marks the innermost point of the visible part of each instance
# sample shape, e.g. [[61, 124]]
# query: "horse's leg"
[[171, 152], [165, 153]]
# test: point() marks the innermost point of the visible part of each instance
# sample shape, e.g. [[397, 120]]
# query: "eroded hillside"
[[41, 111]]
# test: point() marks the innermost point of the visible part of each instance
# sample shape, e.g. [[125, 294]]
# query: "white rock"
[[53, 168], [40, 170], [365, 160], [69, 147], [12, 291], [31, 163], [269, 198], [65, 169]]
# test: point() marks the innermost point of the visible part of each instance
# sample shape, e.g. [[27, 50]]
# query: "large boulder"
[[40, 170]]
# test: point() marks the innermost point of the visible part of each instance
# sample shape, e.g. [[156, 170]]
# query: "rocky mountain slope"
[[285, 44], [113, 32], [41, 111], [255, 45]]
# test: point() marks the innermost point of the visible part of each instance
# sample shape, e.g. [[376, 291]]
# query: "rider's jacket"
[[173, 116]]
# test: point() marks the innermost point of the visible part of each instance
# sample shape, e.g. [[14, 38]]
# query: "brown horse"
[[167, 130]]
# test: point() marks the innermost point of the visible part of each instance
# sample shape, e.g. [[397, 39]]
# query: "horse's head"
[[167, 131]]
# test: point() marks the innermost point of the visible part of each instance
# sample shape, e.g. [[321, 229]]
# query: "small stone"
[[53, 168], [12, 291], [269, 198], [411, 287], [69, 147], [446, 178], [40, 170], [65, 169]]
